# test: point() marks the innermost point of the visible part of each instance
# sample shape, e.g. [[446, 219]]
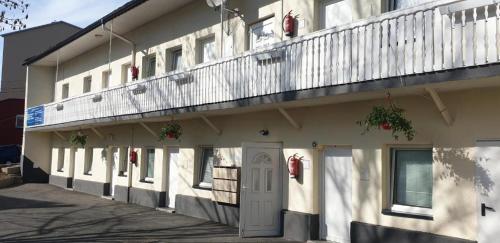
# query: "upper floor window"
[[149, 66], [106, 78], [177, 60], [65, 91], [400, 4], [87, 84], [411, 180], [207, 49], [126, 73], [262, 33], [335, 13]]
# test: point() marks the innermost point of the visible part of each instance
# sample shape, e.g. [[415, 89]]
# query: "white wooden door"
[[336, 206], [173, 175], [488, 205], [114, 169], [261, 188], [335, 13]]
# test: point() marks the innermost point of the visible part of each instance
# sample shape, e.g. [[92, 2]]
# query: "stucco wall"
[[454, 196]]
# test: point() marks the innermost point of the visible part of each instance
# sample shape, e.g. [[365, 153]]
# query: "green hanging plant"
[[78, 139], [388, 118], [171, 131]]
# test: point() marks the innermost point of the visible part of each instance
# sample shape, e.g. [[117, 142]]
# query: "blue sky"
[[78, 12]]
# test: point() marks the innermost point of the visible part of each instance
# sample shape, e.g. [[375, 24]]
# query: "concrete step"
[[166, 210], [12, 170], [9, 180]]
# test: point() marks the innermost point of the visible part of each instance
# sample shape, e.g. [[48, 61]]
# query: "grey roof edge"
[[39, 27]]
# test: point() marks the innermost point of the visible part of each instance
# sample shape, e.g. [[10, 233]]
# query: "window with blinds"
[[206, 167]]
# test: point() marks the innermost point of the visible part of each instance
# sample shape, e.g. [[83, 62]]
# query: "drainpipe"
[[132, 44]]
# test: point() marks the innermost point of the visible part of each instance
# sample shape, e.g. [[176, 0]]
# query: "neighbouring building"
[[18, 46], [248, 98]]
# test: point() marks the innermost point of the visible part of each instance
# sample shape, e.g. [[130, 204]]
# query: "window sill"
[[60, 170], [87, 173], [146, 181], [122, 174], [407, 215], [202, 188]]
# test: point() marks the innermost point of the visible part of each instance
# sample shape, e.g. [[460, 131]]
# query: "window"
[[335, 13], [123, 164], [149, 66], [400, 4], [207, 49], [411, 181], [177, 60], [126, 73], [149, 166], [87, 84], [206, 167], [106, 78], [89, 159], [20, 121], [262, 33], [60, 159], [65, 91]]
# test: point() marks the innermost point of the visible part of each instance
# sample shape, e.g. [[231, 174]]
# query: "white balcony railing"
[[432, 37]]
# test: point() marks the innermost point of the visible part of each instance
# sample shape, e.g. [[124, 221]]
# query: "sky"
[[78, 12]]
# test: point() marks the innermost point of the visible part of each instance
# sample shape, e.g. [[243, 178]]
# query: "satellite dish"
[[214, 3]]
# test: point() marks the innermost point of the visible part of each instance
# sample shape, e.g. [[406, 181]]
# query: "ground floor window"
[[60, 159], [149, 165], [123, 164], [411, 180], [206, 167], [89, 159]]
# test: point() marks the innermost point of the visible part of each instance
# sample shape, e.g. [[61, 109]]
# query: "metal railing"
[[432, 37]]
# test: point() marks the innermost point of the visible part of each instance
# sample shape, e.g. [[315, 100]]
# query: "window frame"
[[145, 165], [146, 66], [201, 167], [126, 73], [87, 80], [123, 163], [405, 209], [60, 159], [106, 79], [201, 53], [64, 91], [88, 161], [174, 65], [254, 25]]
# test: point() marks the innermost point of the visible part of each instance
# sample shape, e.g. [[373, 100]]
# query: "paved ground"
[[44, 213]]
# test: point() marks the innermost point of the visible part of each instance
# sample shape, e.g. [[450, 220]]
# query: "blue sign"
[[35, 116]]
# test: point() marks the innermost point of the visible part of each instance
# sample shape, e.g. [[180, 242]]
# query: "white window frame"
[[145, 166], [87, 84], [126, 73], [201, 49], [270, 20], [123, 163], [175, 64], [20, 121], [146, 66], [89, 160], [201, 165], [392, 5], [65, 91], [404, 209], [106, 79]]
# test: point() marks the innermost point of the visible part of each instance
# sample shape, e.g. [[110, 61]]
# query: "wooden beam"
[[99, 134], [149, 130], [211, 125], [440, 106], [62, 137], [289, 118]]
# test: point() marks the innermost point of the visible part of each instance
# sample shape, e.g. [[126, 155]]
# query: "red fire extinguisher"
[[133, 157], [293, 164], [289, 24], [135, 73]]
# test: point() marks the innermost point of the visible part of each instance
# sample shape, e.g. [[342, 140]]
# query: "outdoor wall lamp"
[[264, 132]]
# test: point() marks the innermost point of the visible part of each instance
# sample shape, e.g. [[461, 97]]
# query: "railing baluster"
[[464, 39], [474, 36], [486, 37]]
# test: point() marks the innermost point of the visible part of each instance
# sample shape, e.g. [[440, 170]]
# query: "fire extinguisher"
[[133, 157], [135, 73], [293, 164], [289, 24]]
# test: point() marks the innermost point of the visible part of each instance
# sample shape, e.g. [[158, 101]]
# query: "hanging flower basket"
[[78, 139], [171, 131], [390, 119]]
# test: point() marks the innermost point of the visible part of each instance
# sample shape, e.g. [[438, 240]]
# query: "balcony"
[[439, 36]]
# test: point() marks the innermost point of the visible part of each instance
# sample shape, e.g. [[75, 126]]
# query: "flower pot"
[[170, 135], [385, 126]]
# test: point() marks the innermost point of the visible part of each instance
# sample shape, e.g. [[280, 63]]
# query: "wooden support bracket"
[[440, 106], [58, 134], [211, 125], [150, 130], [97, 132], [289, 118]]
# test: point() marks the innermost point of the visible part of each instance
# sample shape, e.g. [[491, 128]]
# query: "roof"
[[39, 27], [117, 12]]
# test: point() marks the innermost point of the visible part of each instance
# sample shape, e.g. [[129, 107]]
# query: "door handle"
[[484, 208]]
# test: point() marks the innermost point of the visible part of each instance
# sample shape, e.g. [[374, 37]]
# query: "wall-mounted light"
[[314, 144], [264, 132]]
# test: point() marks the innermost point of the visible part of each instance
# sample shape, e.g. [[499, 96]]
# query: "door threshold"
[[165, 209], [108, 197]]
